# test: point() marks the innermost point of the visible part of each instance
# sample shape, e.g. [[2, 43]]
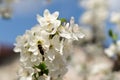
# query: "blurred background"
[[99, 20]]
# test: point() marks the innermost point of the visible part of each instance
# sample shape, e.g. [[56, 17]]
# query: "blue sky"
[[24, 16]]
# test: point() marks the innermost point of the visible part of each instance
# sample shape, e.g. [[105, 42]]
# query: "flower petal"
[[39, 18], [46, 13], [55, 15]]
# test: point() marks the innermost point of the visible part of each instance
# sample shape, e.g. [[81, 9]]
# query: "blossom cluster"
[[42, 48]]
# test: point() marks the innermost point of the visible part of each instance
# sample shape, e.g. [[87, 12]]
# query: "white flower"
[[57, 43], [110, 52], [21, 42], [64, 31], [49, 22], [71, 31], [57, 67], [75, 30], [51, 54], [113, 50], [26, 74], [40, 38], [115, 18]]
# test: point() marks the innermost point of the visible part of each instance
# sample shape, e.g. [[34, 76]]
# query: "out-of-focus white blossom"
[[110, 51], [42, 48], [94, 4], [88, 33], [115, 18], [72, 74], [99, 68], [94, 17], [97, 11], [87, 17], [113, 50]]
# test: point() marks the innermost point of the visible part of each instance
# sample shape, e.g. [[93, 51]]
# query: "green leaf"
[[113, 35], [110, 33], [63, 20], [40, 73], [46, 71], [42, 66], [43, 70]]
